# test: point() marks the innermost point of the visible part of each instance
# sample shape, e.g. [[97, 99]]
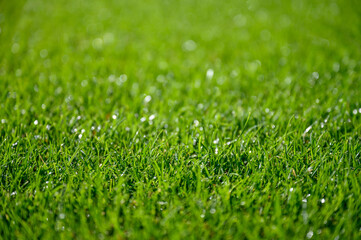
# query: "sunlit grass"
[[180, 119]]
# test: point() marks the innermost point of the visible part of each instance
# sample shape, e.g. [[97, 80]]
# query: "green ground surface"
[[180, 119]]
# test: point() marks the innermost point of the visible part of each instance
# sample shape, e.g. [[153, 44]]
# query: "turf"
[[180, 119]]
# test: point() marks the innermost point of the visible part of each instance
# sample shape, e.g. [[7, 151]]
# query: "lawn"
[[191, 119]]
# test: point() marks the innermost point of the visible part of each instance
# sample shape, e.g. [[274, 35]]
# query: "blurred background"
[[106, 55]]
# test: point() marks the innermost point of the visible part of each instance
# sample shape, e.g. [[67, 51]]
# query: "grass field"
[[190, 119]]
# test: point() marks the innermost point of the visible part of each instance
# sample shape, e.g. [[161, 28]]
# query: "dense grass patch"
[[180, 119]]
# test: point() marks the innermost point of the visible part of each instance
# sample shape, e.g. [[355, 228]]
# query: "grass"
[[180, 119]]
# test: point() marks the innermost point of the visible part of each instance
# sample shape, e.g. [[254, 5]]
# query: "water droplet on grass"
[[209, 73], [309, 234], [18, 72], [315, 75], [97, 43], [288, 80], [122, 79], [108, 38], [84, 83], [307, 130], [147, 99], [43, 53], [240, 20], [189, 46], [36, 122], [15, 48], [151, 117]]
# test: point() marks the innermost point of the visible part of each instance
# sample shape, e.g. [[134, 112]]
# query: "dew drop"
[[307, 130], [147, 99], [210, 73], [189, 46], [43, 53], [315, 75], [151, 117]]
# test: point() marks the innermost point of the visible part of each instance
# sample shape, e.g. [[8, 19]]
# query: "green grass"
[[180, 119]]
